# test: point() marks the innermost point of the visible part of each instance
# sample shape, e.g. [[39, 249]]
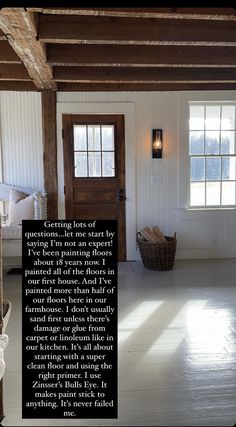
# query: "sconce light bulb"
[[158, 144]]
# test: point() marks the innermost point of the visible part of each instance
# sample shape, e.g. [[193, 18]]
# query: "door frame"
[[127, 109]]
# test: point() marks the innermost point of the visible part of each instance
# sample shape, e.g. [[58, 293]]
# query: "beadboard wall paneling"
[[156, 186], [21, 139]]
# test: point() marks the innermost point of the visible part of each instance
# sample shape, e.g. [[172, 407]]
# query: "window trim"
[[183, 188]]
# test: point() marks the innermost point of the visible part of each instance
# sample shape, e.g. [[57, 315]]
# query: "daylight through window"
[[94, 151], [212, 155]]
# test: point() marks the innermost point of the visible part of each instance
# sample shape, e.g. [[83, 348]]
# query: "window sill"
[[206, 213]]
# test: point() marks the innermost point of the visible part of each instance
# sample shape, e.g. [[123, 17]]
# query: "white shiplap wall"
[[199, 235], [21, 139]]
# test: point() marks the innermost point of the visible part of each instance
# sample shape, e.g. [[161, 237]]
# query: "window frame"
[[205, 156], [183, 207]]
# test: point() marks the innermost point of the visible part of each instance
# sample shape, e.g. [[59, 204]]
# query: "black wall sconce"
[[157, 144]]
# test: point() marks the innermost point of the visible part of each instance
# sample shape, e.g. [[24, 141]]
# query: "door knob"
[[121, 195]]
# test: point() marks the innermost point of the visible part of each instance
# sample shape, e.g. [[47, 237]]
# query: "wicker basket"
[[157, 256]]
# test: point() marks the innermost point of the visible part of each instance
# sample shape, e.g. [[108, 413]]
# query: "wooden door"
[[94, 170]]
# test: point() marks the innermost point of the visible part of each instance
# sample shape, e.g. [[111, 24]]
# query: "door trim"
[[105, 108]]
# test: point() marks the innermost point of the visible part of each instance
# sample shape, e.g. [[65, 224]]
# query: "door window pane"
[[197, 193], [94, 138], [228, 193], [196, 143], [107, 138], [80, 138], [197, 169], [80, 159], [108, 165], [213, 193], [94, 164], [94, 151], [213, 168]]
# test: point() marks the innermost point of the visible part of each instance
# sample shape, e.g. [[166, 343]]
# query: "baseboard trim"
[[11, 261]]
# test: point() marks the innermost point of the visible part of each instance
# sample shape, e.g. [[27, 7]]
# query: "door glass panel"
[[94, 151], [94, 140], [80, 138], [81, 166], [108, 138], [94, 163], [108, 164]]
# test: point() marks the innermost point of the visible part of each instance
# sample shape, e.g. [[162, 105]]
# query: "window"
[[94, 151], [212, 155]]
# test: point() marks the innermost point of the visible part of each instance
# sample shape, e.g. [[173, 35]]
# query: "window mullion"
[[87, 151], [101, 149], [220, 156]]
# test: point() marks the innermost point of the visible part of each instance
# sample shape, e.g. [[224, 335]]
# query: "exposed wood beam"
[[143, 75], [21, 34], [50, 151], [7, 54], [119, 87], [2, 35], [58, 54], [17, 86], [13, 72], [213, 13], [102, 29]]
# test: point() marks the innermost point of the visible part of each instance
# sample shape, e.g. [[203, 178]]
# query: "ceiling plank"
[[102, 29], [7, 54], [116, 55], [142, 75], [21, 34], [119, 87], [13, 72], [213, 13]]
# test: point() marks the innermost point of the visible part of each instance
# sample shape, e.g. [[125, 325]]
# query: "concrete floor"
[[177, 356]]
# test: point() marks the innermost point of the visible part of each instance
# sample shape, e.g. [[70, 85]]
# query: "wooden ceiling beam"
[[18, 26], [17, 86], [2, 35], [134, 55], [119, 87], [13, 72], [143, 75], [212, 13], [7, 54], [103, 29]]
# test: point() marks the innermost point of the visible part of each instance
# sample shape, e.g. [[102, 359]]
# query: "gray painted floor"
[[177, 356]]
